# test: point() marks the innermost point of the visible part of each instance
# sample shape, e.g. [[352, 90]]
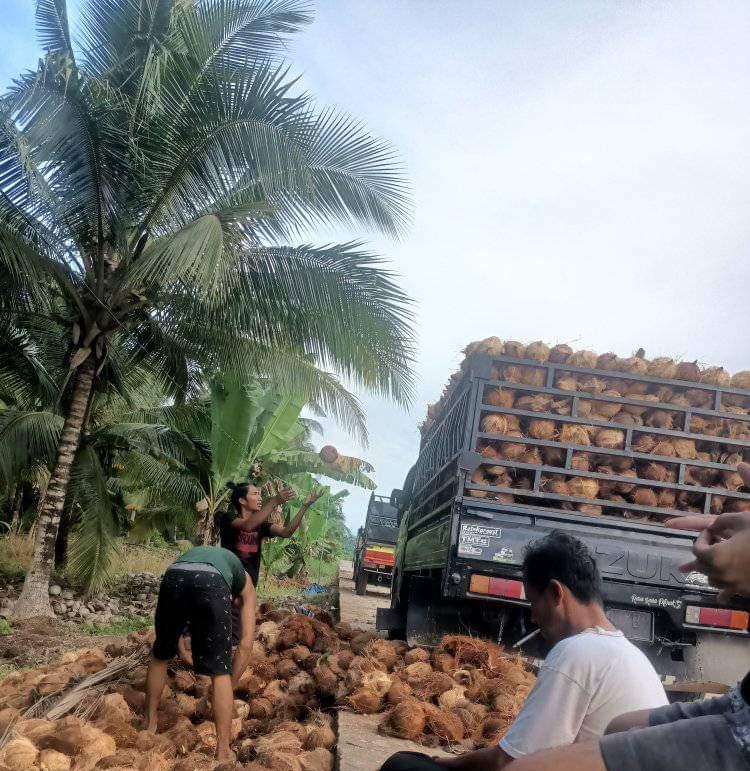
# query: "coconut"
[[620, 463], [697, 397], [560, 406], [638, 409], [580, 461], [500, 475], [405, 721], [566, 382], [537, 351], [318, 759], [261, 708], [644, 496], [487, 448], [625, 488], [513, 373], [560, 353], [662, 366], [377, 681], [553, 456], [634, 364], [665, 448], [417, 654], [360, 641], [589, 508], [654, 471], [383, 652], [514, 349], [593, 385], [607, 361], [445, 725], [583, 360], [741, 380], [417, 671], [398, 692], [492, 728], [533, 403], [433, 685], [183, 681], [51, 760], [452, 697], [20, 754], [717, 376], [286, 669], [609, 438], [624, 418], [532, 456], [55, 682], [571, 433], [582, 487], [499, 397], [539, 428], [320, 735], [737, 505], [688, 370], [496, 424], [365, 701], [512, 450], [296, 630], [555, 485], [685, 448], [644, 443], [268, 634], [443, 662], [731, 480], [717, 504], [665, 498], [34, 728]]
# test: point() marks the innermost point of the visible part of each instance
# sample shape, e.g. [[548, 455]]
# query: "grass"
[[128, 625], [16, 550], [273, 589]]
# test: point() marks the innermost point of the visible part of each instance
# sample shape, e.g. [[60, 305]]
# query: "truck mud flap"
[[388, 619]]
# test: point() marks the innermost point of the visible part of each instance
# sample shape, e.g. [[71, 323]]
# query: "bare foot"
[[225, 755], [149, 725]]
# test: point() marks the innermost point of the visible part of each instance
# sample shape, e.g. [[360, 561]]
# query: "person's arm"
[[487, 759], [254, 521], [247, 619], [637, 719], [286, 531]]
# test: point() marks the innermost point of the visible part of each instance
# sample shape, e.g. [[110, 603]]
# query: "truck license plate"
[[634, 624]]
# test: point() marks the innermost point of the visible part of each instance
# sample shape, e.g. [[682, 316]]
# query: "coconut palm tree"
[[151, 177]]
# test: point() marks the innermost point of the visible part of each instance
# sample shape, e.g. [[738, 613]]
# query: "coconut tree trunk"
[[15, 517], [34, 599], [61, 542]]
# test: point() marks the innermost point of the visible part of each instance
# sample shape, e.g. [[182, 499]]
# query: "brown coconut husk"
[[665, 498], [514, 349], [433, 685], [644, 443], [620, 463], [555, 485], [572, 433], [286, 669], [492, 728], [499, 397], [665, 448], [445, 725], [377, 681], [296, 630], [685, 448], [417, 654], [383, 652], [731, 480], [405, 721], [261, 708], [533, 402], [697, 397], [583, 360], [592, 384], [539, 428], [365, 701], [654, 471], [625, 488], [609, 438], [537, 351], [443, 662], [532, 456], [360, 641], [608, 362], [624, 418], [583, 487], [398, 692], [580, 461], [644, 496], [634, 364], [717, 376], [566, 382], [659, 419], [495, 423], [638, 410], [591, 509], [319, 759], [512, 450], [741, 380], [553, 456], [513, 373], [560, 406], [688, 371], [560, 353], [51, 760], [737, 505], [662, 366]]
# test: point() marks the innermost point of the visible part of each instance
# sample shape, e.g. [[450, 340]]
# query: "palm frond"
[[27, 437], [52, 26], [286, 462]]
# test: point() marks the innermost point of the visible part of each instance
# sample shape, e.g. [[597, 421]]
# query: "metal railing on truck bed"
[[456, 446]]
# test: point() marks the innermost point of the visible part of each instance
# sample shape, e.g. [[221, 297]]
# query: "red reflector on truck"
[[498, 587], [718, 617]]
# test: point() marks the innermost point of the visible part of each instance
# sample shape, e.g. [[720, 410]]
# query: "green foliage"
[[5, 628], [126, 626]]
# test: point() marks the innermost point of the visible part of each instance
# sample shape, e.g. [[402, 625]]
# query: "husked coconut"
[[405, 721]]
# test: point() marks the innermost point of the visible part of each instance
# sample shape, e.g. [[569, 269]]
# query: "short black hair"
[[562, 557]]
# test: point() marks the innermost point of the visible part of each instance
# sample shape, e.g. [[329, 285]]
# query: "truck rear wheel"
[[360, 583]]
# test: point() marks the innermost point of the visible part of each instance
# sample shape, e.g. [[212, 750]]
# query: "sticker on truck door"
[[479, 531], [471, 551]]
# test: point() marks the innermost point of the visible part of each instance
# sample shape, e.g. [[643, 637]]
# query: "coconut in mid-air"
[[329, 454]]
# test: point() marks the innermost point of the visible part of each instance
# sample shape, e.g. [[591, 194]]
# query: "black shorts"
[[201, 600]]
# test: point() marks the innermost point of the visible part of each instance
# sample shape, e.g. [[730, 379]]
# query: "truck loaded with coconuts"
[[375, 546], [529, 439]]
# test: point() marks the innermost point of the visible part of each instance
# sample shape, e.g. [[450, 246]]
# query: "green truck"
[[471, 504], [375, 546]]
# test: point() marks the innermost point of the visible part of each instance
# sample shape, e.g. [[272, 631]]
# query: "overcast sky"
[[580, 172]]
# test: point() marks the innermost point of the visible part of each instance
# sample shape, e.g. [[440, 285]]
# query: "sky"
[[580, 173]]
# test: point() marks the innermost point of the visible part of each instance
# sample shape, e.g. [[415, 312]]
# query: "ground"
[[360, 746]]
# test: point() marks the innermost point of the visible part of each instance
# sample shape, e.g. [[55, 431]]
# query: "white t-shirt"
[[586, 681]]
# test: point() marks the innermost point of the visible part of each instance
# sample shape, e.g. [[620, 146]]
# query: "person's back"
[[586, 681]]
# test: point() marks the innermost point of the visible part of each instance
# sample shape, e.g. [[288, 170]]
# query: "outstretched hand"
[[286, 494], [316, 492], [722, 550]]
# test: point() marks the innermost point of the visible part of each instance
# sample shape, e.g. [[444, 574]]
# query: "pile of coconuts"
[[463, 694], [693, 394]]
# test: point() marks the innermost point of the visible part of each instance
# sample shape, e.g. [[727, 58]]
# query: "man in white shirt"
[[591, 675]]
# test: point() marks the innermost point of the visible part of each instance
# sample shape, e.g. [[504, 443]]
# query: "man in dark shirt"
[[199, 589]]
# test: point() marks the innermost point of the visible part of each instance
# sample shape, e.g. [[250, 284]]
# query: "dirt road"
[[360, 611]]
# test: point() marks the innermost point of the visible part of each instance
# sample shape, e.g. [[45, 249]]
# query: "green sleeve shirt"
[[227, 563]]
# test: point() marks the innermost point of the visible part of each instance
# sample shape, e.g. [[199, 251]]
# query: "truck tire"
[[360, 583]]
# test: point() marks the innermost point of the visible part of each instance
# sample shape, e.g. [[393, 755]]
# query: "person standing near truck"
[[705, 735], [199, 590], [591, 675]]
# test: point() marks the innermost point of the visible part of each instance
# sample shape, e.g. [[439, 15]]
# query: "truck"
[[375, 545], [463, 530]]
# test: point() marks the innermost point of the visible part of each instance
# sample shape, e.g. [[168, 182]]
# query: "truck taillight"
[[721, 618], [497, 587]]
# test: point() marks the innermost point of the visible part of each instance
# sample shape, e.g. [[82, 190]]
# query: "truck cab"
[[374, 552]]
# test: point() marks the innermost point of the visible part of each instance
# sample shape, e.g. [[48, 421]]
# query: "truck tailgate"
[[624, 555]]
